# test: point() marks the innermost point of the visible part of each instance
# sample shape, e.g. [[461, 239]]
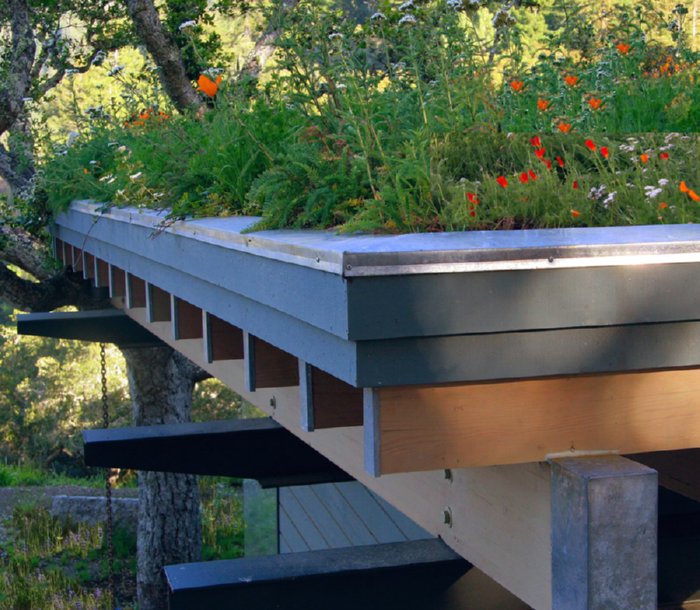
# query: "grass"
[[33, 476], [50, 564]]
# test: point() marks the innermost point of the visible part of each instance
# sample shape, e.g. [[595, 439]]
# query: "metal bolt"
[[448, 474], [447, 516], [273, 402]]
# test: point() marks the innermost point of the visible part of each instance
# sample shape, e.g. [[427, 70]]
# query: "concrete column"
[[604, 534]]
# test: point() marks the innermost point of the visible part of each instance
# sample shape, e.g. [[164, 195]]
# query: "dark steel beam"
[[247, 448], [406, 575], [100, 325]]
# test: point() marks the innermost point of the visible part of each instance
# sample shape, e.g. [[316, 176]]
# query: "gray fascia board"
[[314, 296]]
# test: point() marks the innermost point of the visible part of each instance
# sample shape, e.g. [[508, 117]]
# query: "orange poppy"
[[663, 205], [604, 151], [571, 80], [644, 157], [623, 48], [542, 104], [564, 127], [575, 213], [208, 86], [690, 192], [516, 85], [595, 103]]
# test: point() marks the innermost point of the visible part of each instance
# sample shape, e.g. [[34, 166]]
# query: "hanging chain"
[[108, 484]]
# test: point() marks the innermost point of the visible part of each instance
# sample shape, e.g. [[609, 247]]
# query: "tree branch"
[[165, 53], [19, 248]]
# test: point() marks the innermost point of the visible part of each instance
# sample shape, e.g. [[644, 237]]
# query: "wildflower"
[[542, 104], [135, 176], [208, 86], [523, 177], [663, 156], [663, 181], [560, 161], [532, 174], [663, 205], [604, 151], [455, 4], [548, 163], [408, 18], [535, 141], [688, 191], [623, 48], [378, 16], [595, 103], [650, 192], [472, 198], [590, 145], [564, 127], [644, 157], [575, 184], [186, 24], [406, 5], [609, 199], [539, 152], [502, 181], [575, 213], [571, 80], [86, 170], [516, 85]]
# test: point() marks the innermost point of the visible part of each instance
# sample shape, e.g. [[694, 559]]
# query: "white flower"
[[663, 181], [116, 70], [455, 4], [408, 18], [334, 35], [136, 176], [406, 5], [187, 24], [92, 162], [610, 198], [378, 16], [651, 191]]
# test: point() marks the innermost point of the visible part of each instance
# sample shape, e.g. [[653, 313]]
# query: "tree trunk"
[[165, 53], [169, 524]]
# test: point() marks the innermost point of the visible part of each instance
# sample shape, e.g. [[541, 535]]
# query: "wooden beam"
[[158, 304], [326, 401], [267, 365], [246, 448], [101, 273], [413, 428], [117, 282], [187, 320], [222, 341], [135, 292], [515, 552], [98, 325], [88, 266], [396, 575], [77, 259], [678, 471]]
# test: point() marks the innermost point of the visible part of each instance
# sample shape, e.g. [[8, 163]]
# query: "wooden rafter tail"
[[326, 401], [101, 273], [158, 304], [117, 282], [268, 366], [187, 320], [135, 291], [222, 341]]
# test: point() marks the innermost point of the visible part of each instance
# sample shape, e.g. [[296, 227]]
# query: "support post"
[[604, 534]]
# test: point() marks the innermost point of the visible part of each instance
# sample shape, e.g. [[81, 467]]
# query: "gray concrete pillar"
[[604, 534]]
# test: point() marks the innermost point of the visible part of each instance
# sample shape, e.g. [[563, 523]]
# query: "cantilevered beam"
[[101, 325], [247, 448], [404, 575]]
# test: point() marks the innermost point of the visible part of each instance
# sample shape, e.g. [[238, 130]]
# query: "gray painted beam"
[[403, 575], [248, 448], [604, 534], [101, 325]]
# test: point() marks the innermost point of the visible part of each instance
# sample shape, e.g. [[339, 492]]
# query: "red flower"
[[532, 174], [473, 198], [542, 104], [535, 141], [623, 48], [560, 161], [564, 127], [663, 156], [590, 144], [548, 163], [604, 151], [516, 85], [539, 153], [575, 184], [571, 80], [575, 213], [523, 177], [595, 103], [502, 181]]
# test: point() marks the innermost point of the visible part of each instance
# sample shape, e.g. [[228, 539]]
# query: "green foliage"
[[410, 121]]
